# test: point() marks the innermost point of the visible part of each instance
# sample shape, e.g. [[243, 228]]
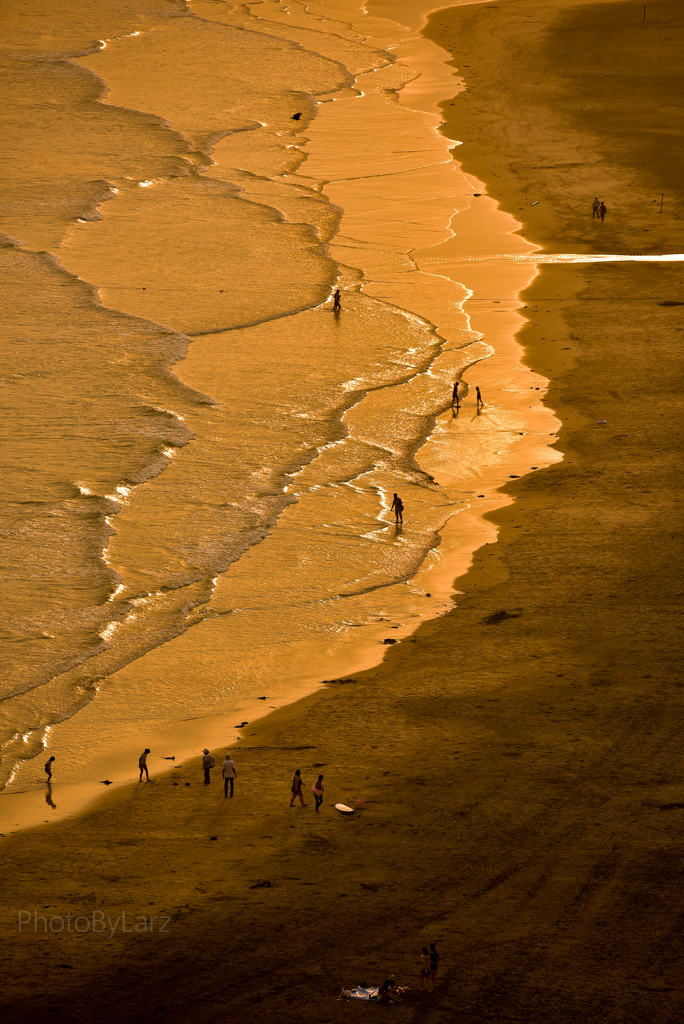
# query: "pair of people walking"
[[228, 771], [456, 401], [297, 790], [598, 209]]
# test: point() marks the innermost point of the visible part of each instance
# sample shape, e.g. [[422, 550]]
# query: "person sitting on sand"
[[386, 993], [142, 764], [297, 784]]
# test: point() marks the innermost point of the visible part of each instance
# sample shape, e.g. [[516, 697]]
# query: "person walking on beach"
[[595, 207], [317, 790], [229, 775], [479, 398], [434, 960], [602, 211], [142, 764], [208, 763], [425, 976], [297, 784], [337, 301], [454, 396], [48, 769], [397, 507]]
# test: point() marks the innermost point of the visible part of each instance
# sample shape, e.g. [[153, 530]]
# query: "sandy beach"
[[523, 749]]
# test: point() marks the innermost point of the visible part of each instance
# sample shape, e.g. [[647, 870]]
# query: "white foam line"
[[561, 257]]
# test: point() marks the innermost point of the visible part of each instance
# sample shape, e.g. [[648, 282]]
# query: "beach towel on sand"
[[362, 993]]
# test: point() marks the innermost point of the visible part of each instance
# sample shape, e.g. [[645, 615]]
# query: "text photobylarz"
[[96, 922]]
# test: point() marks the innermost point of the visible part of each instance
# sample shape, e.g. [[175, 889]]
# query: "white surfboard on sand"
[[343, 809]]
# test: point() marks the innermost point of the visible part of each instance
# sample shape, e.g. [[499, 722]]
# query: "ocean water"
[[196, 510]]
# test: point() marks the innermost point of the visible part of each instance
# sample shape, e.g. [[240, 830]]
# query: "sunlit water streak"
[[560, 257]]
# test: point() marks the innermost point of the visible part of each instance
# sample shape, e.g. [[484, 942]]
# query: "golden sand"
[[520, 757]]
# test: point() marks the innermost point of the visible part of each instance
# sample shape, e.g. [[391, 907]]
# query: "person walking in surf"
[[454, 396], [602, 211], [479, 399], [397, 507], [337, 301], [595, 207], [48, 769]]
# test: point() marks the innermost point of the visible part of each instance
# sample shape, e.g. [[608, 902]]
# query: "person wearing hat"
[[208, 763]]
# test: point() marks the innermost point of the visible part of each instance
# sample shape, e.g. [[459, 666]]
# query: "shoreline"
[[179, 741], [532, 757]]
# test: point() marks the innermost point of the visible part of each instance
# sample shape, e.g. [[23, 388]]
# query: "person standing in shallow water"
[[602, 211], [479, 398], [48, 769], [595, 207], [296, 789], [397, 507], [142, 764], [317, 790], [337, 301], [454, 396]]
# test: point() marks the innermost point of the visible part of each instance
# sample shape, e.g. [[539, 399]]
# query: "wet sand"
[[324, 415], [523, 750]]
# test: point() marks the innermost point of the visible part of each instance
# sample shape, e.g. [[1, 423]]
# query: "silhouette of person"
[[317, 790], [296, 788], [398, 507], [208, 763], [454, 396], [229, 775], [337, 301], [479, 398], [602, 211], [48, 769], [595, 207], [142, 764]]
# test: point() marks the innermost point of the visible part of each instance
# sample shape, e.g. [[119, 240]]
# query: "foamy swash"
[[245, 492]]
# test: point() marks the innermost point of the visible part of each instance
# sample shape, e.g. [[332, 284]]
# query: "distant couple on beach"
[[598, 209], [297, 790], [428, 975], [455, 399], [228, 771]]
